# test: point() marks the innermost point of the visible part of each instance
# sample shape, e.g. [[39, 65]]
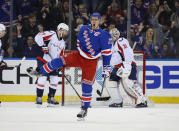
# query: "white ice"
[[19, 116]]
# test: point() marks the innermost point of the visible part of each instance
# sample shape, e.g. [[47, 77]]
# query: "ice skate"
[[116, 104], [33, 72], [82, 114], [39, 102], [141, 105], [52, 102]]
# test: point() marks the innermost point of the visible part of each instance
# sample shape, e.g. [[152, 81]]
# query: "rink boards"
[[162, 81]]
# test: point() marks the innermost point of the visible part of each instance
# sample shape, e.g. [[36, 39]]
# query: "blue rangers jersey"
[[95, 43]]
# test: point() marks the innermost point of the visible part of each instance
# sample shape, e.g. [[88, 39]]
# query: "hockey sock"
[[40, 92], [86, 95], [51, 66], [51, 92]]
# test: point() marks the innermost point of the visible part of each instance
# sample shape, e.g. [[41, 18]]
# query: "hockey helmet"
[[96, 15], [114, 33], [2, 27], [63, 26]]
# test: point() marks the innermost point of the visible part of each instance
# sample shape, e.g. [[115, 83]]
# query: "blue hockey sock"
[[51, 66], [86, 95]]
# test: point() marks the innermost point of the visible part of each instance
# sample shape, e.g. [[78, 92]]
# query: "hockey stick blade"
[[98, 92], [103, 98]]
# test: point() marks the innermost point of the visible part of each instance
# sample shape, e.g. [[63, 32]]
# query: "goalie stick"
[[101, 92]]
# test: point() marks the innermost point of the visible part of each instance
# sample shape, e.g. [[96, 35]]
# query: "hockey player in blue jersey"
[[92, 43]]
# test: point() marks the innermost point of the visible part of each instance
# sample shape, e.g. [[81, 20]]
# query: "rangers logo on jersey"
[[97, 33]]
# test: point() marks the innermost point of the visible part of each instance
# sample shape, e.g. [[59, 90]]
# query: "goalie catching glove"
[[106, 71], [124, 71], [3, 65]]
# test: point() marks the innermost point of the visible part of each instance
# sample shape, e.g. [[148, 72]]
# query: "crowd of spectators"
[[154, 23]]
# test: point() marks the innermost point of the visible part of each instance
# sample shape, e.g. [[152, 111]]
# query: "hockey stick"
[[135, 43], [100, 93], [73, 87], [16, 66]]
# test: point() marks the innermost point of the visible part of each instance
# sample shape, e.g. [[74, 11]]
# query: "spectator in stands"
[[10, 52], [152, 10], [82, 13], [30, 27], [139, 12], [175, 15], [5, 12], [26, 7], [147, 43], [113, 10], [161, 30], [46, 15], [31, 49], [121, 24], [91, 5], [164, 16], [166, 53], [111, 26]]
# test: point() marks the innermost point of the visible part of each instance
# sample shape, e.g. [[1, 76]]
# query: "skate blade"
[[39, 105], [52, 105], [81, 119]]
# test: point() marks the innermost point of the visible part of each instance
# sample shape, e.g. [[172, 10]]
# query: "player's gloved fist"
[[45, 49], [106, 71], [3, 65]]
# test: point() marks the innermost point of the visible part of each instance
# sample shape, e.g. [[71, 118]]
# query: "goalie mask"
[[114, 34]]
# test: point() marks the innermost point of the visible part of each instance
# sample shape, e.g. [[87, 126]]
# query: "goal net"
[[73, 75]]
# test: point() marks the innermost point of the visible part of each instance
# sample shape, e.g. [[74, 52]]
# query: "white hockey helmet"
[[2, 27], [63, 26], [114, 33]]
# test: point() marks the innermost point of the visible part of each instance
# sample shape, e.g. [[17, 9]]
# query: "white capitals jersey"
[[50, 39], [122, 52], [0, 51]]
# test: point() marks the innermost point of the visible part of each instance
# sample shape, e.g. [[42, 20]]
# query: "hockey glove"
[[45, 49], [106, 71], [3, 65]]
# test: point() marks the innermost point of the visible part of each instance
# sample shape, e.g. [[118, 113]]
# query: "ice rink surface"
[[19, 116]]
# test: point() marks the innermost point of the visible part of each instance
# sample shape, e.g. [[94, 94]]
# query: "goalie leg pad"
[[133, 90]]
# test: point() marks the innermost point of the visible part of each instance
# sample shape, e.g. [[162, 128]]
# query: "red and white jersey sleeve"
[[50, 39], [122, 52]]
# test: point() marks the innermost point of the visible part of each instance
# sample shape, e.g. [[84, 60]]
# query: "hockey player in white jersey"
[[2, 34], [124, 71], [53, 46]]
